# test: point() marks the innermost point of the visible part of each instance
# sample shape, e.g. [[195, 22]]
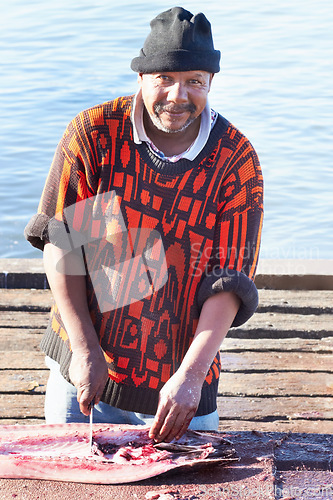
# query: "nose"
[[177, 93]]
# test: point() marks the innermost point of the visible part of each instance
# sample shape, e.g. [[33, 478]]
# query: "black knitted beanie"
[[178, 41]]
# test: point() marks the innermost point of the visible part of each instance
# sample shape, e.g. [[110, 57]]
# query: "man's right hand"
[[88, 371]]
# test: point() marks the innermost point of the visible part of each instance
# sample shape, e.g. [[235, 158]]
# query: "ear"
[[140, 77]]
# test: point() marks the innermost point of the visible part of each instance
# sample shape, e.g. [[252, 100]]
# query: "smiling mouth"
[[176, 111]]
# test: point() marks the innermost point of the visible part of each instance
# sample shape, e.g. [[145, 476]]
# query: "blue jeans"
[[61, 407]]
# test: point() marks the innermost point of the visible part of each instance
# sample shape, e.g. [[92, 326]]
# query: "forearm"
[[217, 315], [180, 396], [88, 369], [69, 292]]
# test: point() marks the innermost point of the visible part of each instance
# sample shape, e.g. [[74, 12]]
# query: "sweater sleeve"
[[235, 250], [70, 180]]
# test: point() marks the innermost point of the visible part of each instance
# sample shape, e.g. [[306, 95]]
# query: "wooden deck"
[[277, 370], [276, 382]]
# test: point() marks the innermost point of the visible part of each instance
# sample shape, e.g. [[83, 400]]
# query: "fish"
[[120, 453]]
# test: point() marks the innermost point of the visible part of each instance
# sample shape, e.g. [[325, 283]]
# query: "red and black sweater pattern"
[[203, 219]]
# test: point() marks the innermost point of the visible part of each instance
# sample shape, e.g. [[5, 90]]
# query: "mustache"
[[159, 108]]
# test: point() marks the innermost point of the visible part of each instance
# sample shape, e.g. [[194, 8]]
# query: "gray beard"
[[159, 125], [158, 122]]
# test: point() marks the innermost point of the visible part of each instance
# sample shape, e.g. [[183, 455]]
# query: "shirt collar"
[[139, 133]]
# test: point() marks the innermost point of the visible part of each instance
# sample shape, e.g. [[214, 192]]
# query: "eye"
[[164, 78]]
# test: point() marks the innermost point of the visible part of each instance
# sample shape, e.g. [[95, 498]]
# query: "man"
[[164, 198]]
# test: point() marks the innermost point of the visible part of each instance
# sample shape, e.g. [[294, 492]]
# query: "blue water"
[[59, 57]]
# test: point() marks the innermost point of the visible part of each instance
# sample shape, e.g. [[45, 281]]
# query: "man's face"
[[174, 100]]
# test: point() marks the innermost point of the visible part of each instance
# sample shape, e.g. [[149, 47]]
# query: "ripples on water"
[[275, 85]]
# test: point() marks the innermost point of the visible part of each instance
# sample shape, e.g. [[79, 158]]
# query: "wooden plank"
[[230, 408], [305, 301], [277, 325], [286, 321], [308, 426], [12, 339], [18, 338], [266, 361], [22, 360], [22, 352], [296, 301], [22, 421], [266, 324], [23, 381], [318, 301], [25, 299], [324, 345], [259, 408], [301, 301], [23, 406], [276, 383], [19, 319], [236, 414]]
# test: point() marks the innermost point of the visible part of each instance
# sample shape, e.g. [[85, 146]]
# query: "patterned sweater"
[[158, 239]]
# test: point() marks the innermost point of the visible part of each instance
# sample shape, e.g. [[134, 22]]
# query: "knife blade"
[[91, 425]]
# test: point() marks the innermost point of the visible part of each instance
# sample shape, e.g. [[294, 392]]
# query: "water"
[[60, 57]]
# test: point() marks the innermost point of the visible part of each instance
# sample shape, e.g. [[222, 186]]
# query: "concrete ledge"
[[295, 274], [284, 274], [22, 273]]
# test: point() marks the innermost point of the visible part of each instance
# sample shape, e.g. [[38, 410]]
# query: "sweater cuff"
[[36, 230], [229, 280], [41, 228]]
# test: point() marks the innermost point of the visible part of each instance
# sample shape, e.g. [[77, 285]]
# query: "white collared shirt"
[[208, 119]]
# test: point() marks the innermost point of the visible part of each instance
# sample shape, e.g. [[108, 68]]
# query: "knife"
[[91, 425]]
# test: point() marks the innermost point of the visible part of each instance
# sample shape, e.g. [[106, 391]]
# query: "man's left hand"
[[178, 403]]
